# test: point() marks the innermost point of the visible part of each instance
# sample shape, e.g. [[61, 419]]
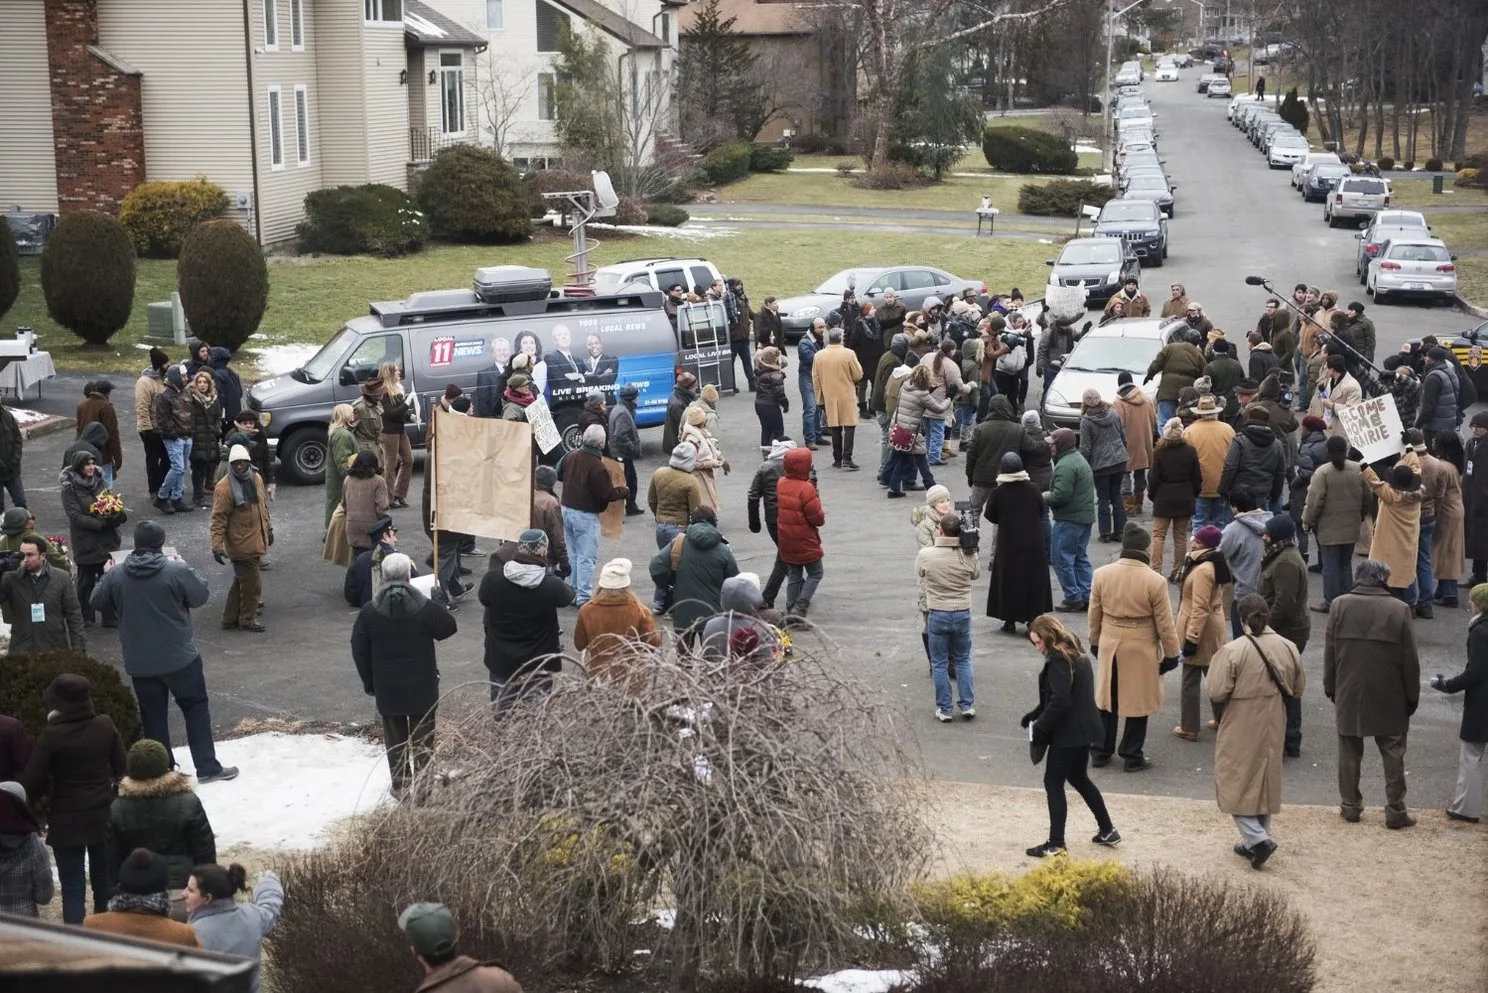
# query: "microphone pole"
[[1370, 378]]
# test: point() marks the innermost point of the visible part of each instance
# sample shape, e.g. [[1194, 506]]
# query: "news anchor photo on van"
[[577, 344]]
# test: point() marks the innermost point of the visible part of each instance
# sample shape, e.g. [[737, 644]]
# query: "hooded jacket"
[[1038, 457], [392, 644], [146, 389], [914, 407], [75, 762], [800, 513], [229, 386], [521, 620], [1256, 462], [887, 363], [206, 425], [762, 489], [61, 627], [1244, 550], [1139, 423], [993, 438], [1263, 361], [153, 598], [93, 439], [741, 603], [677, 404], [704, 562], [93, 538], [165, 816], [1103, 439]]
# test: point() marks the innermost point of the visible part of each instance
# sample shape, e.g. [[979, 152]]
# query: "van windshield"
[[324, 361]]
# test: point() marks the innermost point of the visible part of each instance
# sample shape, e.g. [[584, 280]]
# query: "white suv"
[[696, 275]]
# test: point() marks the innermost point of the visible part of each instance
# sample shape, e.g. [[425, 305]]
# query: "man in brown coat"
[[1372, 674], [547, 516], [1139, 422], [431, 931], [241, 531], [97, 406], [1131, 629], [587, 491], [612, 626], [834, 375]]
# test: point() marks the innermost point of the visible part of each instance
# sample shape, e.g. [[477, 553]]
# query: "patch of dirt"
[[265, 725], [1390, 909]]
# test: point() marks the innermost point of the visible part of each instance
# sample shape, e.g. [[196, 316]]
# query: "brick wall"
[[97, 120]]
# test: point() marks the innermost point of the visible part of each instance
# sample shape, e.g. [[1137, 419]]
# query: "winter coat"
[[1131, 626], [834, 375], [1139, 423], [1225, 373], [341, 448], [946, 572], [878, 399], [1371, 670], [762, 490], [996, 436], [1345, 392], [93, 538], [1175, 479], [397, 413], [769, 390], [1180, 363], [740, 605], [915, 410], [865, 340], [76, 761], [1473, 683], [1038, 457], [610, 626], [893, 386], [97, 409], [674, 495], [367, 427], [1202, 620], [705, 561], [143, 924], [1475, 498], [15, 749], [238, 927], [463, 974], [806, 349], [1337, 500], [1284, 586], [165, 816], [146, 389], [153, 598], [229, 385], [25, 874], [586, 483], [61, 627], [1243, 549], [800, 514], [1211, 439], [366, 502], [1312, 454], [710, 415], [677, 404], [1248, 753], [1438, 406], [623, 438], [1066, 715], [1255, 462], [1054, 347], [1263, 361], [93, 439], [1071, 495], [206, 427], [1137, 306], [1020, 589], [709, 458], [547, 517], [1103, 440], [245, 532], [258, 451], [1397, 530], [1447, 551], [173, 417], [392, 644], [767, 329], [521, 620]]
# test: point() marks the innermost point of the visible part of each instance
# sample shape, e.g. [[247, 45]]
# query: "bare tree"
[[504, 88]]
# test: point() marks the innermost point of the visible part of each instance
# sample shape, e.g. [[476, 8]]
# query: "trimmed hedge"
[[87, 276], [1062, 197], [768, 158], [159, 216], [727, 163], [224, 283], [1024, 150], [10, 268], [666, 215], [1468, 177], [629, 211], [28, 675], [1433, 165], [1386, 163], [362, 220], [470, 194]]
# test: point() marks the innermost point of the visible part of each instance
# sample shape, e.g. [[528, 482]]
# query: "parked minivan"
[[578, 344]]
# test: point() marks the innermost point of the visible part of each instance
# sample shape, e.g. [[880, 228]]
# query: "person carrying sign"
[[1335, 389]]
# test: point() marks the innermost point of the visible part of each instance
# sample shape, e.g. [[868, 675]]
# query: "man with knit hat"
[[157, 809], [1226, 373], [1211, 439], [674, 494], [1283, 586], [1131, 631], [241, 532], [587, 490], [1256, 460], [431, 931], [625, 442], [149, 385], [522, 599], [153, 598], [1071, 500], [141, 904], [174, 423]]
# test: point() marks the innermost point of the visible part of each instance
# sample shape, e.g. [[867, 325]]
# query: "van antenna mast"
[[583, 206]]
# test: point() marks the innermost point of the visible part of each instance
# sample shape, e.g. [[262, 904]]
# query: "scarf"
[[520, 399], [244, 489], [1138, 554], [591, 450], [1012, 477], [203, 400], [1222, 573], [141, 903]]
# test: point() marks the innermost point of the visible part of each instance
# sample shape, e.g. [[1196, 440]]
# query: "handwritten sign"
[[544, 431], [1373, 427]]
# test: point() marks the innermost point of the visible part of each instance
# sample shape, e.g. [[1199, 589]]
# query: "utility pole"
[[1108, 157]]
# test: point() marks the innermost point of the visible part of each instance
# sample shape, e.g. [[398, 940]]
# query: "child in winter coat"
[[25, 869]]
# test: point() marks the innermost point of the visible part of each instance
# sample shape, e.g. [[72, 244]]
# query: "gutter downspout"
[[252, 126]]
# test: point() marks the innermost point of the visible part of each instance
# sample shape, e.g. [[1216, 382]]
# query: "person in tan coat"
[[1131, 629], [1139, 419], [1131, 302], [1211, 439], [1203, 607], [1448, 543], [1397, 528], [1335, 389], [141, 904], [1176, 305], [1337, 499], [241, 531], [834, 375], [709, 457], [612, 625], [1251, 679]]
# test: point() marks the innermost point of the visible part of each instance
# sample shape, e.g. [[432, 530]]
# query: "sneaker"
[[1045, 850], [399, 503], [182, 507], [473, 550], [1261, 852], [451, 606], [1319, 608], [462, 593], [254, 626], [220, 776], [943, 716], [968, 713], [837, 464], [1110, 838], [164, 506]]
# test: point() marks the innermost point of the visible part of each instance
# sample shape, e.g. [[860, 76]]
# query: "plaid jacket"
[[25, 876]]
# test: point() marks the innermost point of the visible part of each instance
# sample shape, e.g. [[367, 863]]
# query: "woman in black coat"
[[522, 635], [157, 808], [864, 338], [76, 761], [1475, 498], [1173, 483], [1067, 722], [1020, 564], [1467, 799], [93, 537]]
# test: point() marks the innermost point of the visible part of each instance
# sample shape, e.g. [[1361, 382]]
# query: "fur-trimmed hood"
[[172, 782]]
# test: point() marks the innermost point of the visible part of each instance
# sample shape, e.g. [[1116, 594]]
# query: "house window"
[[547, 106], [297, 25], [383, 11], [666, 28], [276, 128], [551, 23], [495, 15], [451, 93], [271, 25], [302, 124]]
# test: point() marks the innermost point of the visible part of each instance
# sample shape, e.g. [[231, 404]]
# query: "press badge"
[[38, 613]]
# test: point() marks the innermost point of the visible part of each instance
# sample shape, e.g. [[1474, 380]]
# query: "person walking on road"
[[673, 496], [1202, 608], [1019, 590], [1139, 425], [1071, 500], [916, 408], [998, 434], [1372, 674], [1448, 542], [835, 373], [947, 571], [1103, 444], [41, 605], [98, 408], [176, 425], [1284, 588], [799, 521], [1472, 682], [612, 626], [693, 566], [1174, 485], [1211, 438], [1337, 500], [684, 392], [770, 401], [625, 442], [241, 532], [150, 384], [1243, 548], [806, 350], [1180, 362], [1398, 524]]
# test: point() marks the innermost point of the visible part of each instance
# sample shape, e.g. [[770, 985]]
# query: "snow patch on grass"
[[276, 360]]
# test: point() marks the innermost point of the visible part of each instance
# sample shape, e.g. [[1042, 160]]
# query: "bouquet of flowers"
[[107, 504], [59, 542]]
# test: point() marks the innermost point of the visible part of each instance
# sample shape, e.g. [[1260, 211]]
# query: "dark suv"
[[1139, 223]]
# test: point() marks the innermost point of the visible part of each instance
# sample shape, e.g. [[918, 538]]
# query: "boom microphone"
[[1255, 281]]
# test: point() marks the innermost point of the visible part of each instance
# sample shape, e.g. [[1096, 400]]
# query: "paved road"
[[1234, 218]]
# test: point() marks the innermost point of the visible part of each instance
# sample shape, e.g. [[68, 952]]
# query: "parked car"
[[658, 274], [1151, 186], [1101, 355], [1203, 82], [1299, 169], [1286, 151], [1166, 73], [1387, 225], [1127, 76], [1321, 179], [1219, 88], [913, 283], [1140, 224], [1419, 267], [1100, 265], [1356, 198]]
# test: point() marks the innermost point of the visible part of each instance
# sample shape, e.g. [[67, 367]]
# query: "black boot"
[[925, 640]]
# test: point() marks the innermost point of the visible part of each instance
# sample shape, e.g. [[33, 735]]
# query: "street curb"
[[1480, 312], [51, 425]]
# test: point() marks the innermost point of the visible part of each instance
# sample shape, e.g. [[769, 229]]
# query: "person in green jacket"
[[1180, 362], [694, 565], [341, 448], [1071, 498]]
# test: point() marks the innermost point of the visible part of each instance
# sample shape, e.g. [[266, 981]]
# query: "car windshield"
[[846, 279], [1113, 354], [1122, 210], [1330, 171], [1092, 253], [323, 361], [1147, 181]]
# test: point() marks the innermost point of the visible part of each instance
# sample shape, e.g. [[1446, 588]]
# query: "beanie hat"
[[710, 393], [1281, 527], [1173, 430], [1091, 398], [630, 391], [158, 358], [68, 689], [148, 759], [149, 535], [547, 477], [1437, 354], [615, 575], [1011, 463], [1208, 536], [1134, 538], [460, 404], [1247, 386], [1313, 422], [687, 381], [684, 457], [534, 541], [1123, 378], [1478, 597], [595, 399], [1031, 419], [14, 521], [1064, 439], [237, 453], [1479, 420], [899, 345], [1257, 415], [1221, 347], [937, 493], [452, 390], [143, 873]]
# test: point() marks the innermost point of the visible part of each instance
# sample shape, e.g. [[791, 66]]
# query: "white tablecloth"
[[20, 375]]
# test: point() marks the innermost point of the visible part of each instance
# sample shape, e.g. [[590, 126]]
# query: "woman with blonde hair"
[[917, 407], [709, 457], [341, 448], [1067, 723], [206, 435], [398, 409]]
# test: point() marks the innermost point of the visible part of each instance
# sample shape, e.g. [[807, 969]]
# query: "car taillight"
[[1371, 249], [1338, 199], [1448, 267], [1387, 201], [1390, 266]]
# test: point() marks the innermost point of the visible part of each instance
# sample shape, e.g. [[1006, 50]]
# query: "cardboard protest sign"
[[1373, 427], [482, 470], [544, 431], [612, 518]]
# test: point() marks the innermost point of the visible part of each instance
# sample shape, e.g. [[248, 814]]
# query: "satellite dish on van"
[[604, 194]]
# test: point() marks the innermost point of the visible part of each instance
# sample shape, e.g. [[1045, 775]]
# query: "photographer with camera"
[[946, 571], [17, 525]]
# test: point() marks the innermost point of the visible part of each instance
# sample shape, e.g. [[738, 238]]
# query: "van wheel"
[[303, 455]]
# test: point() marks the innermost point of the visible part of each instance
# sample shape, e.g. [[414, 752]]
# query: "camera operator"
[[1011, 352]]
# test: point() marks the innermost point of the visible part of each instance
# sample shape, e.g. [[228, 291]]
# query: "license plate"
[[1418, 286]]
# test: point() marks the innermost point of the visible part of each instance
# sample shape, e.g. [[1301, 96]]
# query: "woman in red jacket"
[[798, 522]]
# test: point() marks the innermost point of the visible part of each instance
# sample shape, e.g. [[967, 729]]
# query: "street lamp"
[[1202, 39], [1108, 157]]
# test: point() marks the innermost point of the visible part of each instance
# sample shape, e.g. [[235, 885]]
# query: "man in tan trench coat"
[[241, 531], [834, 374], [1248, 755], [1397, 527], [1131, 629]]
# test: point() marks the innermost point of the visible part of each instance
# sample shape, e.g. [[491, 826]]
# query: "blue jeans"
[[1446, 589], [934, 439], [662, 598], [1072, 560], [884, 451], [581, 534], [801, 585], [1210, 510], [901, 471], [1338, 566], [810, 426], [189, 687], [70, 873], [950, 644], [1406, 595], [178, 450], [965, 418], [108, 474], [1166, 411], [1425, 578], [1109, 510]]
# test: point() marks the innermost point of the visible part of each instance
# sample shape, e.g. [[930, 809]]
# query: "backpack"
[[1013, 362]]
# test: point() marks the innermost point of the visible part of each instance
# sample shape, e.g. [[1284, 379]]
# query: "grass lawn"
[[310, 297], [1417, 193], [1472, 279], [957, 193], [1460, 230]]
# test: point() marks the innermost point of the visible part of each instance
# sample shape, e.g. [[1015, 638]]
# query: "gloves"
[[1094, 650], [221, 558], [1167, 665], [1438, 682], [1190, 649], [271, 536], [564, 570], [1027, 719], [1041, 737]]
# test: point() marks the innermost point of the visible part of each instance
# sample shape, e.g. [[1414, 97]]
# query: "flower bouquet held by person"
[[109, 506]]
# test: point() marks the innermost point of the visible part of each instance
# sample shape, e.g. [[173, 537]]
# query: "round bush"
[[160, 215], [1024, 150], [768, 158], [727, 163], [1409, 166], [553, 181], [629, 211], [666, 215], [362, 220], [28, 675], [224, 283], [10, 268], [87, 276], [471, 194], [1433, 165], [1386, 163], [1062, 197]]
